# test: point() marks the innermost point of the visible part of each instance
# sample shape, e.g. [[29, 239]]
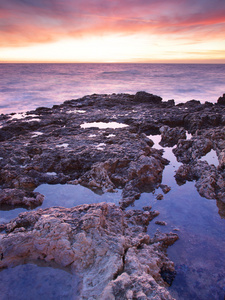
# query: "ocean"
[[27, 86]]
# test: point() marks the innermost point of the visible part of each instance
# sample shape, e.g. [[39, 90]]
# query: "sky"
[[112, 31]]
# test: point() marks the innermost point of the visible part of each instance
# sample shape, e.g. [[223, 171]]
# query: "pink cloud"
[[25, 22]]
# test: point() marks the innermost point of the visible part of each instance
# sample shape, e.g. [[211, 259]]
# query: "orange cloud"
[[30, 22]]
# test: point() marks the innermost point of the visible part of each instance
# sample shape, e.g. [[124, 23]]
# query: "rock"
[[18, 197], [165, 188], [221, 209], [159, 197], [162, 223], [221, 100], [170, 136], [209, 181], [143, 97], [193, 149], [30, 150], [105, 247]]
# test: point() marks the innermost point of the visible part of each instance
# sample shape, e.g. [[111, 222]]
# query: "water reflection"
[[8, 213], [32, 281], [211, 157], [68, 195], [199, 254], [65, 195]]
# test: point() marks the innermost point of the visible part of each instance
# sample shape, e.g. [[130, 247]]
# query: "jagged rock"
[[18, 197], [143, 97], [159, 197], [57, 144], [162, 223], [193, 149], [165, 188], [105, 247], [221, 100], [170, 136], [57, 149], [209, 182]]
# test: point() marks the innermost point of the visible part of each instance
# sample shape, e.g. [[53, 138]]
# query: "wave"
[[124, 72]]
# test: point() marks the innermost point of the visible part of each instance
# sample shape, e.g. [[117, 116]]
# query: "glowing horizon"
[[116, 31]]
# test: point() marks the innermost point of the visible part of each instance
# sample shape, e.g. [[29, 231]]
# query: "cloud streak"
[[146, 29], [26, 22]]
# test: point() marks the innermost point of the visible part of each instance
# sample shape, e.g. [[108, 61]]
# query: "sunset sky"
[[112, 31]]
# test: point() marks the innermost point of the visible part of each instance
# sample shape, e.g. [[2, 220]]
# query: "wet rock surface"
[[50, 145]]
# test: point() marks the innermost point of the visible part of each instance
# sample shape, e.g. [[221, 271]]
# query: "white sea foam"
[[65, 145], [76, 111], [110, 135], [101, 146], [36, 133], [103, 125], [51, 173]]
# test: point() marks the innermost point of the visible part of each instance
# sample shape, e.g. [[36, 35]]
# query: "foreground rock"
[[106, 247]]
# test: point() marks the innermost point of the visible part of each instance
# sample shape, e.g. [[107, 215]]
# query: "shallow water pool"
[[34, 282], [198, 255], [65, 195]]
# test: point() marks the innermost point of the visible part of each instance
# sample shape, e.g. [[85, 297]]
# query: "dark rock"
[[162, 223], [126, 157], [170, 136], [165, 188], [168, 275], [159, 197], [104, 239], [18, 197], [221, 100], [143, 97]]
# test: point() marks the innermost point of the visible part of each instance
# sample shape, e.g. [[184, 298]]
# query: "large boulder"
[[143, 97], [221, 100]]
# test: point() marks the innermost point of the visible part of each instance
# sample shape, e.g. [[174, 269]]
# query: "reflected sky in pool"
[[65, 195], [199, 253], [34, 282]]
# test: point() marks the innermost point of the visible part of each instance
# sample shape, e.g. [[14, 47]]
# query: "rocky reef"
[[106, 247], [102, 142]]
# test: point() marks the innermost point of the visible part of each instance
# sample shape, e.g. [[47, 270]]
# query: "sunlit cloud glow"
[[125, 30]]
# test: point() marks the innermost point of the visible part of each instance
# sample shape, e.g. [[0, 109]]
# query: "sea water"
[[198, 255], [25, 87]]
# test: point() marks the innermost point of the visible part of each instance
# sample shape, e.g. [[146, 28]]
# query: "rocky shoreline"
[[65, 144]]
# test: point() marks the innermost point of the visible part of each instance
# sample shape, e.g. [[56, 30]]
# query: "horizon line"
[[116, 62]]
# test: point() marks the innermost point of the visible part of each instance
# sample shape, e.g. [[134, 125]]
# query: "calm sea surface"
[[26, 86]]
